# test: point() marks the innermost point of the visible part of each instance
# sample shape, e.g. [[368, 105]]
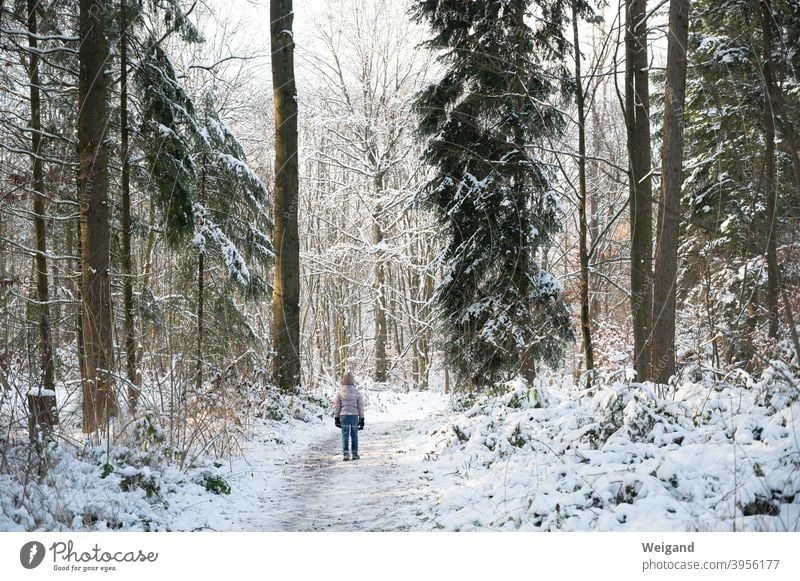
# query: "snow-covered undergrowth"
[[139, 483], [713, 456]]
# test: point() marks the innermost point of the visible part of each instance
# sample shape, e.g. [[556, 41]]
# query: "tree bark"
[[286, 293], [662, 357], [637, 122], [39, 196], [99, 401], [131, 367], [583, 250], [201, 284], [381, 331], [769, 172]]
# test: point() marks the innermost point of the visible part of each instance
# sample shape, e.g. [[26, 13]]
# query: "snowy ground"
[[302, 484], [709, 457], [714, 455]]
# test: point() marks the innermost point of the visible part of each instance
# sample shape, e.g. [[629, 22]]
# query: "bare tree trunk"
[[73, 268], [381, 331], [200, 320], [583, 250], [595, 287], [40, 226], [131, 367], [769, 172], [201, 273], [662, 358], [99, 401], [286, 294], [41, 405], [637, 121]]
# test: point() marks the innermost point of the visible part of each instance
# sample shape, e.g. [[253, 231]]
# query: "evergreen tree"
[[168, 130], [502, 312], [211, 202], [725, 200], [229, 210]]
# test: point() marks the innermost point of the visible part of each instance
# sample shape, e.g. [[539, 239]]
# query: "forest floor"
[[708, 455]]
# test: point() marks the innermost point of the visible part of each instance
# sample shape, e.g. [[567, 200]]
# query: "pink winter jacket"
[[348, 402]]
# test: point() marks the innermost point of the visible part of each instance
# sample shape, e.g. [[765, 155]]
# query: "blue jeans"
[[349, 431]]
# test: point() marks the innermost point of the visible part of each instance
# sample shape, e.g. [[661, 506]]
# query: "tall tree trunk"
[[662, 356], [74, 245], [583, 250], [40, 225], [286, 294], [131, 367], [99, 401], [596, 248], [637, 122], [381, 331], [201, 275], [769, 171], [521, 275], [41, 405]]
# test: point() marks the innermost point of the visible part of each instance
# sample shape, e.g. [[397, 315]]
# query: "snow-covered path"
[[320, 492], [296, 480]]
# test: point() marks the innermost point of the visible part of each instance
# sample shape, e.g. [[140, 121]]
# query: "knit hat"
[[348, 379]]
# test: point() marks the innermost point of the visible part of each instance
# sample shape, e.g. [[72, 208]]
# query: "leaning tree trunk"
[[662, 356], [99, 402], [286, 293], [637, 122]]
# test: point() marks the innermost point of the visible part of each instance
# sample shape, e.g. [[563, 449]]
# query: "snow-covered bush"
[[779, 385], [635, 412], [718, 454], [279, 406]]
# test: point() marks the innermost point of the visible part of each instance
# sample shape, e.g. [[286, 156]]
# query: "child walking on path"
[[348, 413]]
